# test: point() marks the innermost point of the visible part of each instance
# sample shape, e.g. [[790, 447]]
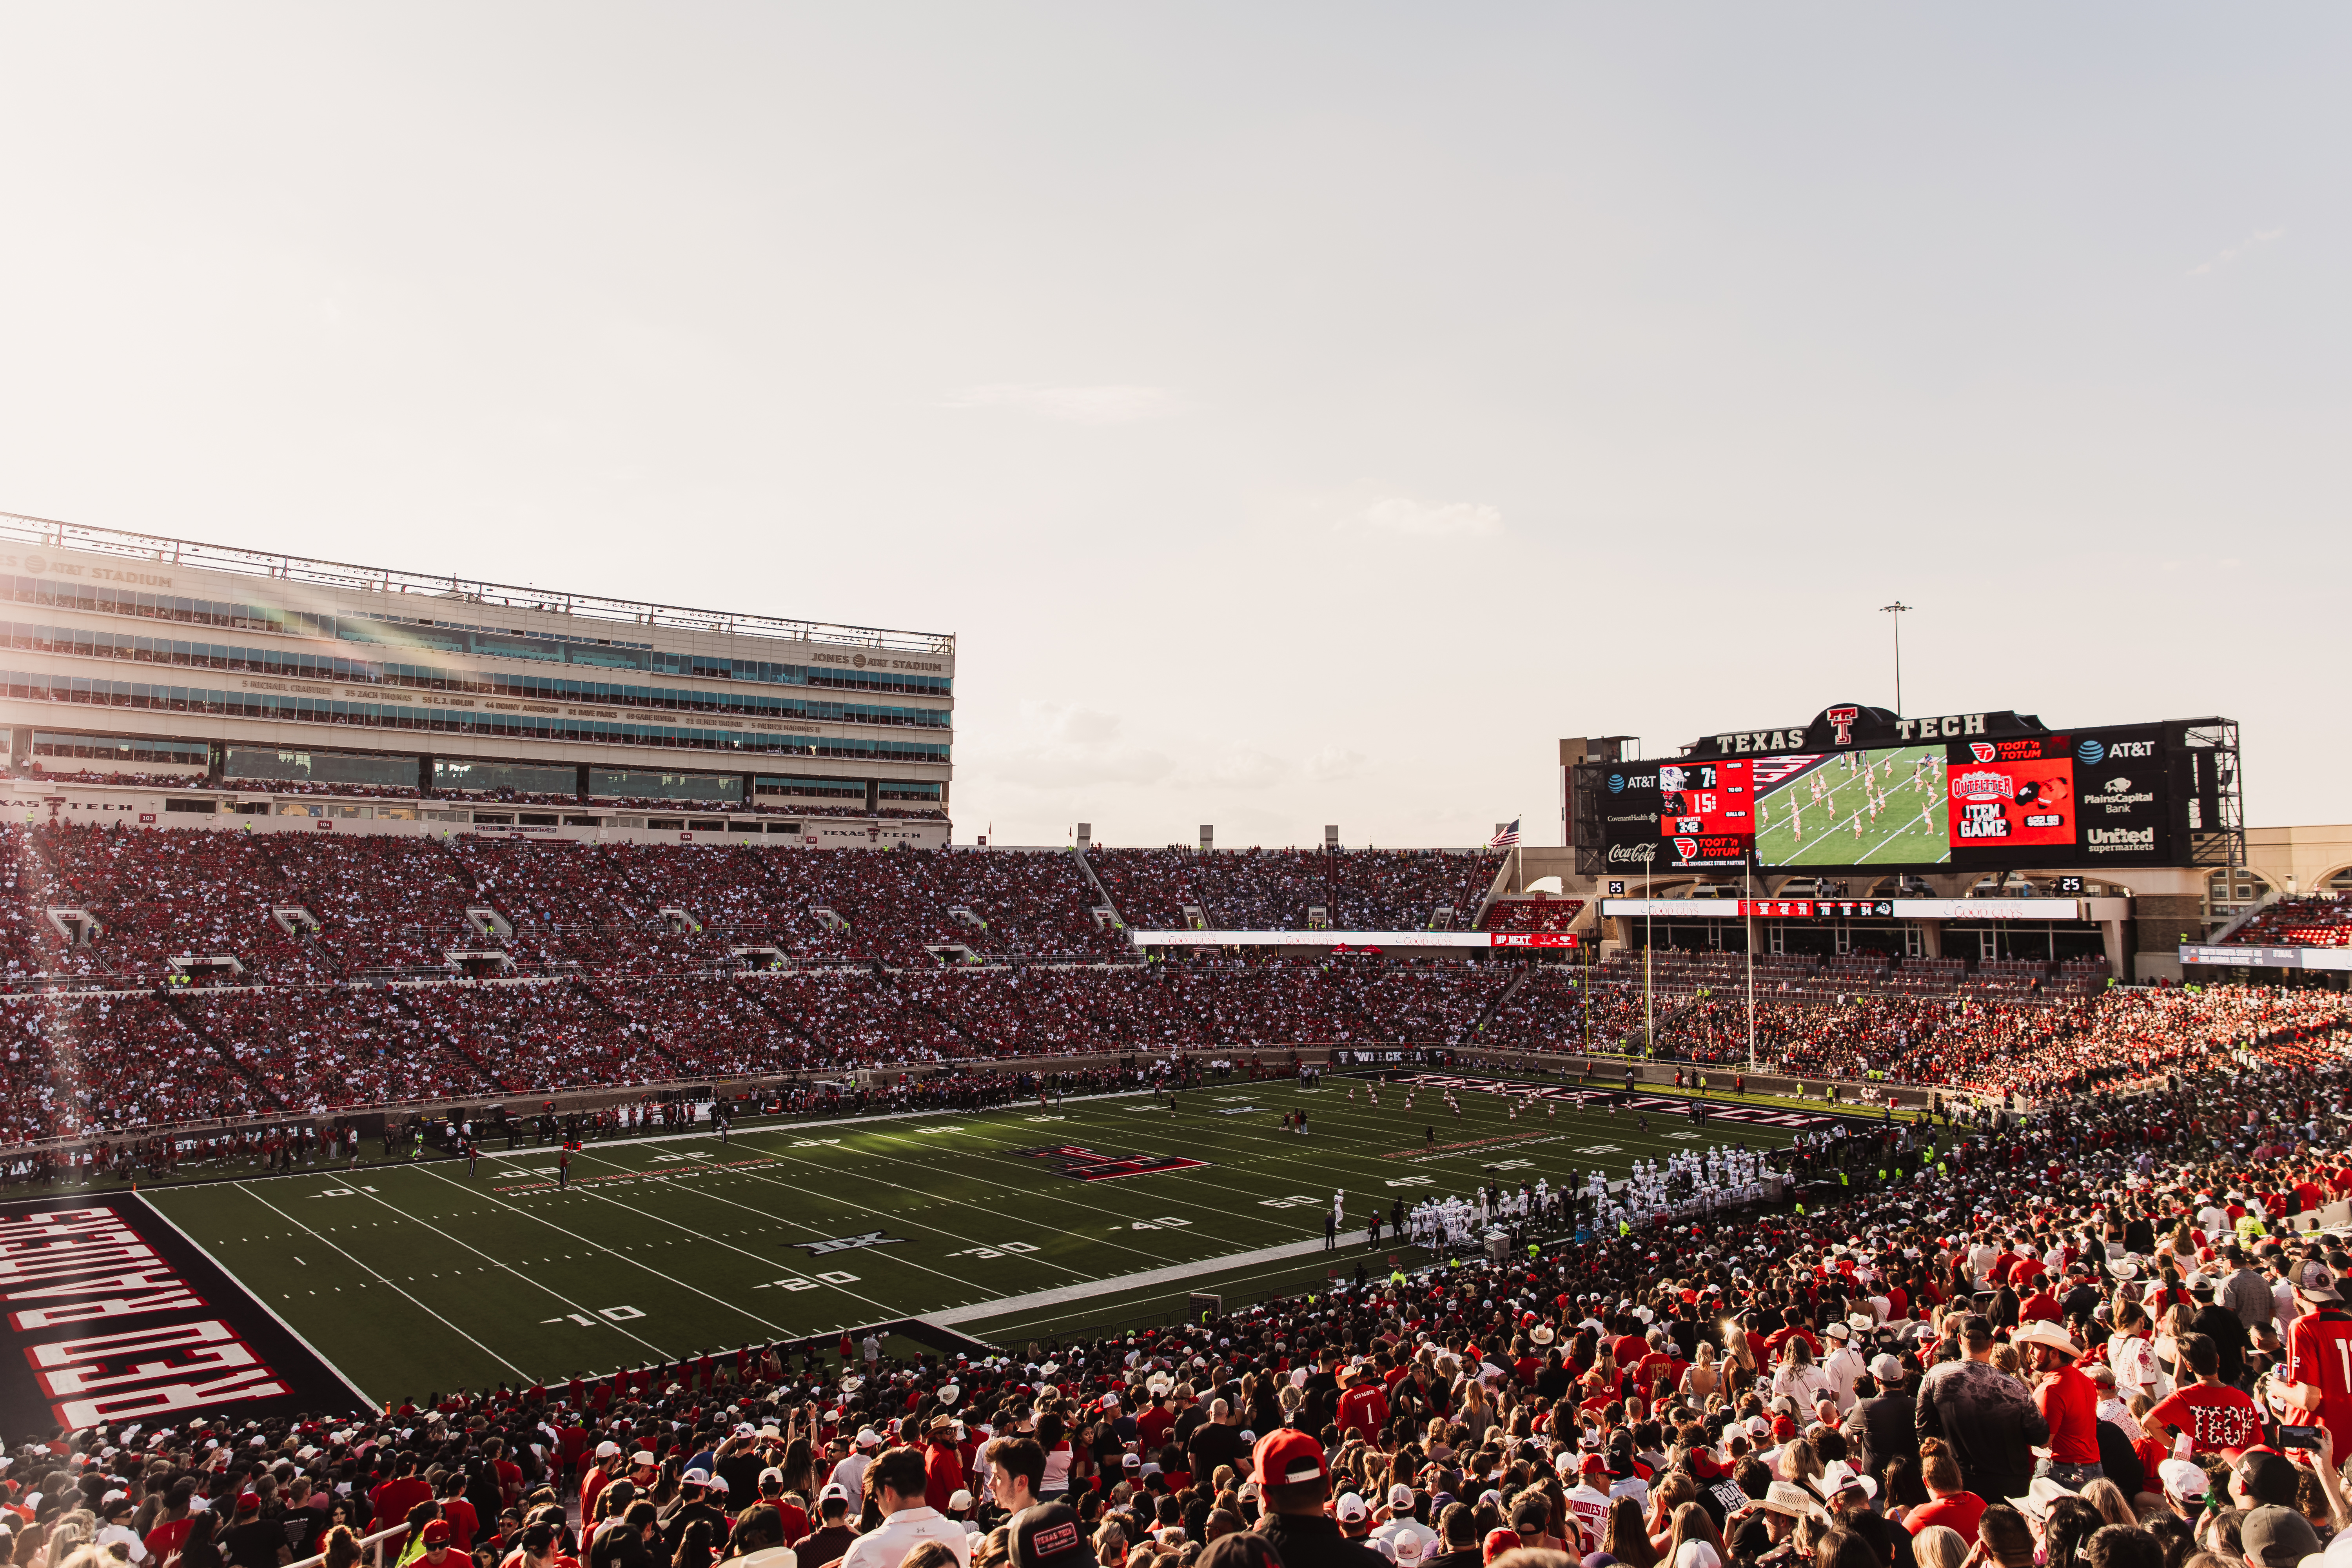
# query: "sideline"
[[1118, 1282]]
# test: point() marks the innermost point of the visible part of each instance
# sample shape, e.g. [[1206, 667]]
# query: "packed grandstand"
[[2109, 1337], [2080, 1310], [161, 976]]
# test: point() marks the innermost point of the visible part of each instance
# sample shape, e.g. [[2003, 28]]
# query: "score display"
[[1994, 800], [1680, 816], [1707, 798]]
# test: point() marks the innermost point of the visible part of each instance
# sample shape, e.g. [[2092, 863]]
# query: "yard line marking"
[[648, 1268], [569, 1304], [813, 1230], [420, 1306], [1112, 1285]]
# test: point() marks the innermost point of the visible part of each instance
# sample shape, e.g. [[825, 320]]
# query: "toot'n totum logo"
[[1687, 847], [1843, 718], [1981, 750]]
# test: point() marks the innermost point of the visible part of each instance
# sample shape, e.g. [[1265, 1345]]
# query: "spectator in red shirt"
[[1363, 1404], [943, 1474], [2040, 1307], [394, 1498], [1153, 1427], [2218, 1418], [1949, 1501], [2068, 1400]]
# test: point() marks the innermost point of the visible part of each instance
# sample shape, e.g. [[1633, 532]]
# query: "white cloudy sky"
[[1303, 413]]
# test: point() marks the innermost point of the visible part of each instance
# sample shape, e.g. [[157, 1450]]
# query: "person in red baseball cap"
[[438, 1552], [1293, 1482]]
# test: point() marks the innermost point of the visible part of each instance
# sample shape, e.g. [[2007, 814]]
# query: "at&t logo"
[[2090, 754]]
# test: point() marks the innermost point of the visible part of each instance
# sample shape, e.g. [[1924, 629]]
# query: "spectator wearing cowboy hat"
[[1363, 1409], [2069, 1402], [942, 1463]]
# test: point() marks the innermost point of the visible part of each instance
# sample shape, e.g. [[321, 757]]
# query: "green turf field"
[[417, 1278], [1793, 828]]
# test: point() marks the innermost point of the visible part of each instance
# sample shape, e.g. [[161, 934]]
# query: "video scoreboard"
[[1860, 787]]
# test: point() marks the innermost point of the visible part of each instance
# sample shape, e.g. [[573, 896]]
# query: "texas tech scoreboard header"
[[1859, 787]]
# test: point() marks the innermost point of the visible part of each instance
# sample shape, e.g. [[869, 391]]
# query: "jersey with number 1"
[[2319, 1350]]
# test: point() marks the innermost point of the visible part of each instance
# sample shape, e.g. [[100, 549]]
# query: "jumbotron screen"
[[1968, 792]]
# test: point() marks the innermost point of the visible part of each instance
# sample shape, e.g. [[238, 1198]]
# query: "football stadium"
[[497, 1100]]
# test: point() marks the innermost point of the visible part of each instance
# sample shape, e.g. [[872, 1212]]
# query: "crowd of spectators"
[[321, 1047], [289, 906], [1276, 889], [2106, 1337], [1537, 913], [2314, 919]]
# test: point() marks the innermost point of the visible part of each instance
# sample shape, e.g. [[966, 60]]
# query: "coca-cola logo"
[[1633, 854]]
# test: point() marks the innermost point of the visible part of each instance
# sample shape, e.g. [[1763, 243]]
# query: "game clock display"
[[1705, 798]]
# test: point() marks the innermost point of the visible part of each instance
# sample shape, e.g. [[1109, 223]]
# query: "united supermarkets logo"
[[2110, 841]]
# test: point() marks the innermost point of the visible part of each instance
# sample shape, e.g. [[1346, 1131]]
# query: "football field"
[[1015, 1224], [1808, 817]]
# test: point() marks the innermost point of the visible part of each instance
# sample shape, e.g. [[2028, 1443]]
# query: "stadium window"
[[626, 783], [481, 778], [2341, 882], [319, 767], [119, 749], [839, 789]]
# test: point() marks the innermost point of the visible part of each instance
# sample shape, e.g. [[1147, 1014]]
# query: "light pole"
[[1897, 609]]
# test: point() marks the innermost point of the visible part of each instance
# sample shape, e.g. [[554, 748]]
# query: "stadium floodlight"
[[1896, 610]]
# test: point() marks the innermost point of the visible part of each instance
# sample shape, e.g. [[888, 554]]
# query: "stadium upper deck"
[[135, 659]]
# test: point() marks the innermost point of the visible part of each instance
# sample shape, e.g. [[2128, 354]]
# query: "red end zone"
[[118, 1318]]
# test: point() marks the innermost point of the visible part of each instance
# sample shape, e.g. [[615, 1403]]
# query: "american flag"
[[1506, 837]]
